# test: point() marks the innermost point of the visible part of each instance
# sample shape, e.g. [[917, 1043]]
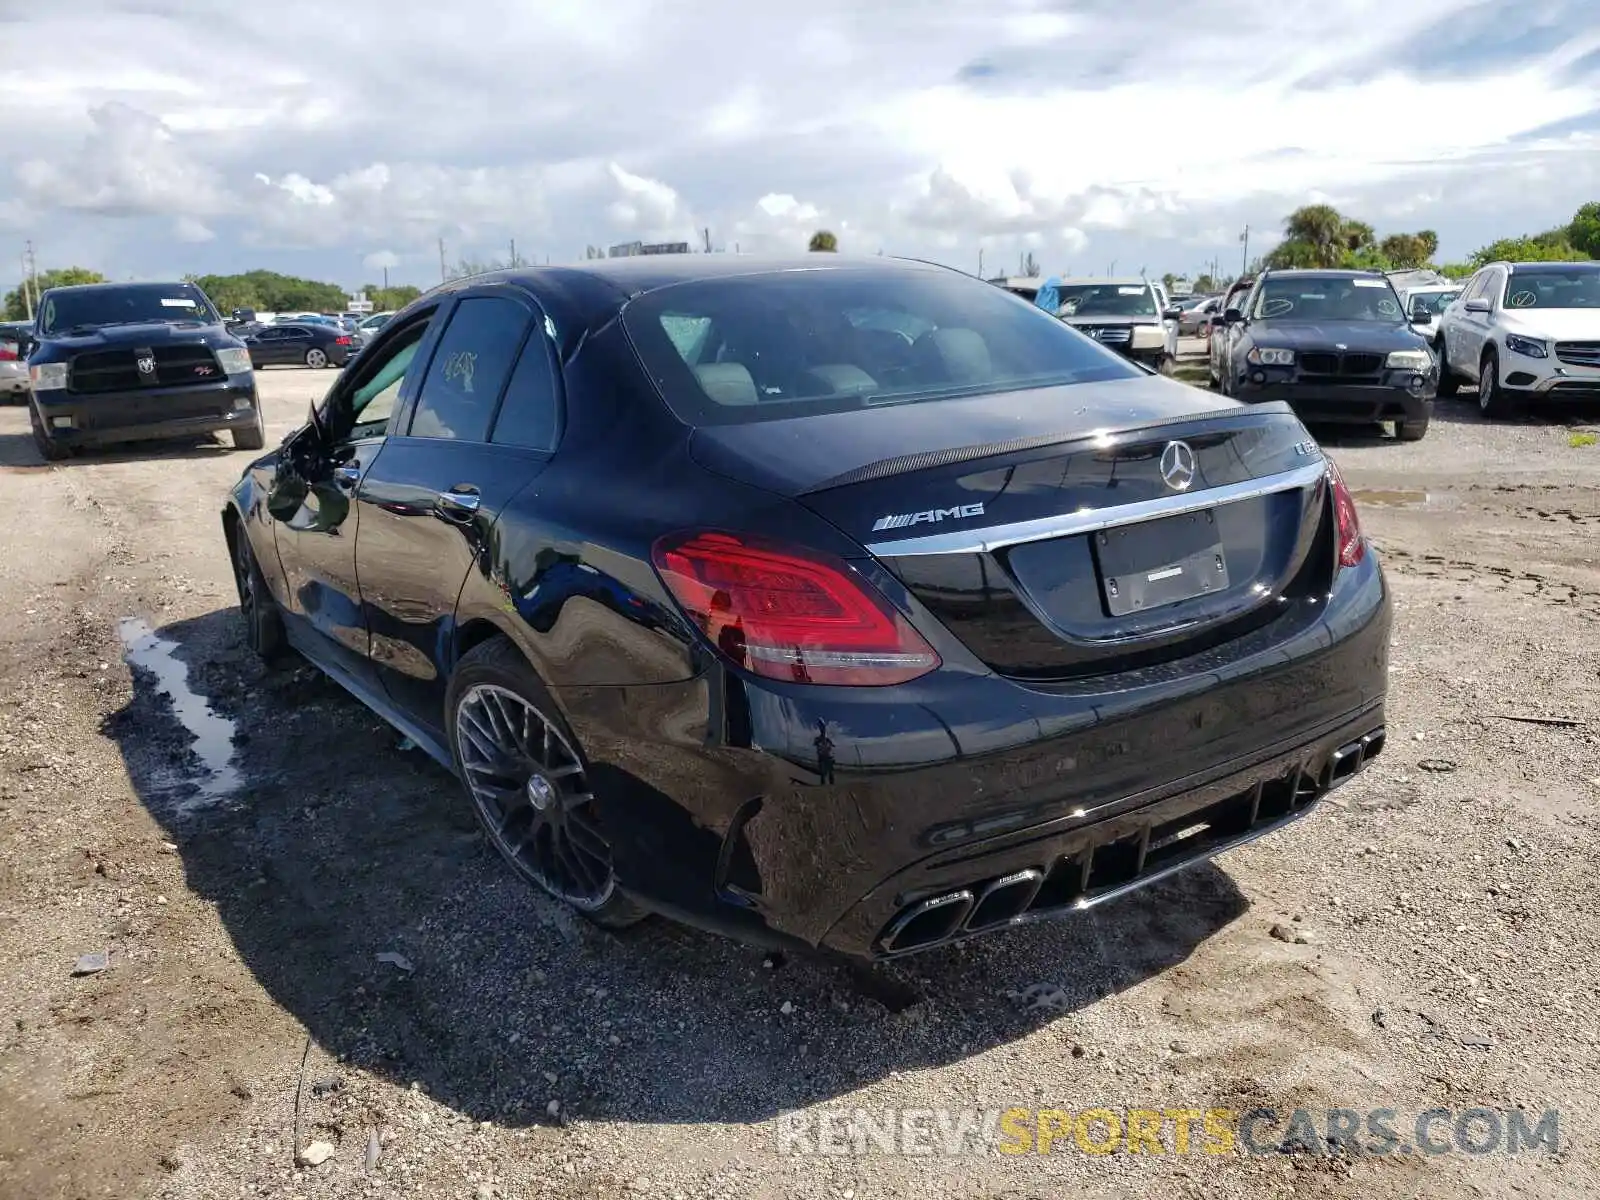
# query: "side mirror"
[[1478, 305], [1172, 314], [1232, 317], [243, 316], [1421, 313]]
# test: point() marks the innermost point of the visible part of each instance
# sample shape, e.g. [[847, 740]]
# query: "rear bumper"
[[13, 379], [820, 816], [1345, 403], [149, 413]]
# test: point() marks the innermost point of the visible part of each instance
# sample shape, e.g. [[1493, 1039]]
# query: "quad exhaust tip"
[[1113, 866]]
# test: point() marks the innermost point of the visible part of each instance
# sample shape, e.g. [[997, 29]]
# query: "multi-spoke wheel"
[[529, 785]]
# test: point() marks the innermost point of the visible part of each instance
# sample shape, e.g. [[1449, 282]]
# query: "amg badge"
[[901, 520]]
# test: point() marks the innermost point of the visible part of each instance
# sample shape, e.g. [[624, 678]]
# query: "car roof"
[[1581, 265], [1110, 281], [1326, 273], [100, 287], [596, 288], [645, 272]]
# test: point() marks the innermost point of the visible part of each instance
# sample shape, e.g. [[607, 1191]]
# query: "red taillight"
[[790, 614], [1347, 525], [341, 341], [7, 354]]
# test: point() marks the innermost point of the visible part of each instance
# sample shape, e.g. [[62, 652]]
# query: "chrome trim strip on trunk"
[[996, 537]]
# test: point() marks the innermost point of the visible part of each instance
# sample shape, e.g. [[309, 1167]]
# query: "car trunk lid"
[[1153, 535]]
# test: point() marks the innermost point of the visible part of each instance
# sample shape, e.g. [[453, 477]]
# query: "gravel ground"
[[299, 915]]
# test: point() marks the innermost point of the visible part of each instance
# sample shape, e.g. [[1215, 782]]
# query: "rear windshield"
[[129, 304], [1326, 298], [1553, 287], [795, 343]]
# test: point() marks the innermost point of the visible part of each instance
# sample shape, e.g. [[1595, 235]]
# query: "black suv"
[[116, 362], [1335, 345]]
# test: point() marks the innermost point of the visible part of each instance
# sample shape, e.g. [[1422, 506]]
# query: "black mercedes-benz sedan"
[[854, 605], [1335, 345]]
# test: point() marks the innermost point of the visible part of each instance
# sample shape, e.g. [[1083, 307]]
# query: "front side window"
[[469, 368], [377, 392], [126, 304], [1325, 298], [1553, 287], [785, 344]]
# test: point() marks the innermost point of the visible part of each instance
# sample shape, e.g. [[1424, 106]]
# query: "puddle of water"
[[1384, 498], [212, 733]]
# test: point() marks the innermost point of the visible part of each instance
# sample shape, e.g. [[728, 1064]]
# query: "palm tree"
[[1320, 227], [823, 240]]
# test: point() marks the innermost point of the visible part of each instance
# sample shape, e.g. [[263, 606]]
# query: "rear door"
[[477, 431]]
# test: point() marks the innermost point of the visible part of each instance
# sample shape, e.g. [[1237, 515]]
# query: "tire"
[[1168, 366], [251, 437], [1493, 402], [1411, 431], [531, 793], [263, 623], [1449, 381], [316, 358], [50, 449]]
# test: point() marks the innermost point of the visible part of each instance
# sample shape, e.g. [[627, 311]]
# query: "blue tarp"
[[1049, 297]]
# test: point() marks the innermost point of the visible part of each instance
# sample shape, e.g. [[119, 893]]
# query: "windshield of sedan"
[[1553, 287], [796, 343], [129, 304], [1436, 302], [1107, 300], [1326, 298]]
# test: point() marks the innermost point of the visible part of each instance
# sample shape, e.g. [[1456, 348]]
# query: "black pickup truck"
[[118, 362]]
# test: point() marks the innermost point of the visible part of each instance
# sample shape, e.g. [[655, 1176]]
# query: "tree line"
[[1318, 235], [265, 291]]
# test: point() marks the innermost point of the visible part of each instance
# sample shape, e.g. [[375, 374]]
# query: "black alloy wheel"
[[529, 785], [263, 623]]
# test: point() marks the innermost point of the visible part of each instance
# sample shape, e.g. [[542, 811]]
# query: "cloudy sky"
[[157, 137]]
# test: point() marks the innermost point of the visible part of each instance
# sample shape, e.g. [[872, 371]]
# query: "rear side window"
[[469, 368], [528, 413], [785, 344]]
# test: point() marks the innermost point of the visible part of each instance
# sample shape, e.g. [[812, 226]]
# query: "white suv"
[[1523, 331]]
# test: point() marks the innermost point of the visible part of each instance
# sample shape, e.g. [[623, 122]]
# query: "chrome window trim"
[[996, 537]]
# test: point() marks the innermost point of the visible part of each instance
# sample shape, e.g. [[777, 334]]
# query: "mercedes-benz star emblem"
[[1177, 466]]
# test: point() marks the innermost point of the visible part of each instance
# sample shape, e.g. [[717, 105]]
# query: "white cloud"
[[188, 229], [381, 260], [1129, 129]]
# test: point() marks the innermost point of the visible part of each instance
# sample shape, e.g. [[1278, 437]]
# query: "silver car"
[[15, 339]]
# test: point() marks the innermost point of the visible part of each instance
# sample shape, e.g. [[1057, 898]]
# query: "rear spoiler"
[[903, 464]]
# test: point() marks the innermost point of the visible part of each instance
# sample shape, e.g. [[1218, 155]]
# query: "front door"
[[429, 505], [317, 543]]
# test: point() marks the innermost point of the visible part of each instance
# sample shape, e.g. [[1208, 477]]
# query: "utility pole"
[[442, 276], [33, 275], [980, 262], [513, 252], [707, 232], [27, 296], [386, 279], [1244, 237]]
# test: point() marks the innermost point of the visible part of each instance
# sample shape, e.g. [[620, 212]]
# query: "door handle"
[[458, 503], [347, 476]]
